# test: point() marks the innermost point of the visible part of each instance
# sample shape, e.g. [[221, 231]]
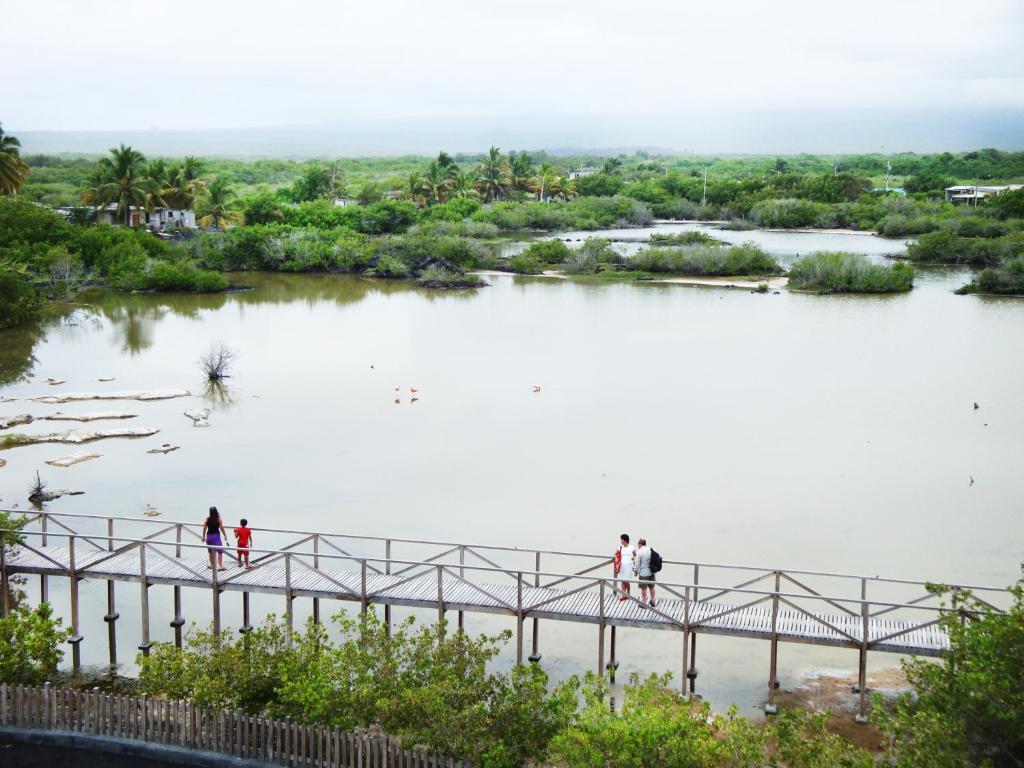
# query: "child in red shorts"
[[243, 538]]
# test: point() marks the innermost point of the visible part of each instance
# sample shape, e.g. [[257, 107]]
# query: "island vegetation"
[[838, 272], [437, 220]]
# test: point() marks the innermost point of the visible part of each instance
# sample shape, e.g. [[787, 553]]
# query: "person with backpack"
[[648, 563]]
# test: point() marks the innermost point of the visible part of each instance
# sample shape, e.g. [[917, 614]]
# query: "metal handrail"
[[525, 550]]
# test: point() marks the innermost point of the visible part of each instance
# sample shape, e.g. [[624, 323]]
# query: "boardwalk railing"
[[864, 613], [182, 724]]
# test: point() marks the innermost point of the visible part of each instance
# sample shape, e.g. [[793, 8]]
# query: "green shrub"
[[705, 260], [692, 237], [30, 645], [19, 301], [967, 710], [838, 272], [944, 247], [389, 265], [548, 251], [525, 264], [436, 276], [1007, 279]]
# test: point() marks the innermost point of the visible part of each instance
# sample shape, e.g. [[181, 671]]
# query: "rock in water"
[[92, 416], [75, 436], [199, 417], [165, 448], [3, 462], [74, 458], [6, 422], [73, 397]]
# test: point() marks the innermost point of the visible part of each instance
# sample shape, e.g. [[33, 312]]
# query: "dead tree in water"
[[217, 361]]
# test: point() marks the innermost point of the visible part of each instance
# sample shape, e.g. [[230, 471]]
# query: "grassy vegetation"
[[707, 260], [682, 238], [1005, 280], [949, 248], [838, 272]]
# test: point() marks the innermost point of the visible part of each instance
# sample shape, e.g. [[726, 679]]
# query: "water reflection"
[[219, 396]]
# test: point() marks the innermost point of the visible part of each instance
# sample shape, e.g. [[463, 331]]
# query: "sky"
[[674, 74]]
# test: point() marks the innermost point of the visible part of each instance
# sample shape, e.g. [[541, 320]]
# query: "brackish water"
[[791, 430]]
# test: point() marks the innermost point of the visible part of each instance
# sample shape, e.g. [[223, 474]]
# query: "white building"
[[972, 193], [343, 202], [579, 173]]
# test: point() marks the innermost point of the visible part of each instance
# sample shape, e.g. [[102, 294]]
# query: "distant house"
[[579, 173], [160, 218], [394, 194], [972, 193], [343, 202]]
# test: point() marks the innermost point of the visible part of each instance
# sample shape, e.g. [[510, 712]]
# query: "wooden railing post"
[[44, 584], [770, 708], [178, 621], [288, 607], [112, 614], [691, 673], [316, 566], [365, 600], [440, 599], [5, 587], [862, 662], [519, 618], [76, 638], [387, 570], [600, 631], [145, 645], [535, 644], [462, 574], [686, 637], [215, 594]]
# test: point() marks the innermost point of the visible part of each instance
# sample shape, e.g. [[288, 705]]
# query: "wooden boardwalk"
[[774, 605]]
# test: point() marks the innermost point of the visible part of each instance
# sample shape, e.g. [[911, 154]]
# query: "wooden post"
[[316, 566], [535, 645], [519, 619], [612, 663], [179, 621], [686, 636], [770, 708], [387, 570], [462, 574], [691, 673], [862, 665], [246, 626], [145, 645], [440, 600], [600, 632], [112, 614], [76, 638], [288, 608], [362, 582], [44, 584], [215, 593]]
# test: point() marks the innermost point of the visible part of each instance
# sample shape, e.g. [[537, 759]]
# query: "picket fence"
[[182, 724]]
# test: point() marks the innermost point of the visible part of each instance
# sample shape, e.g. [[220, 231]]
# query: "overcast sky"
[[76, 65]]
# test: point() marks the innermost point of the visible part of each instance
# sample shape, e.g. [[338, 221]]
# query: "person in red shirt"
[[243, 538]]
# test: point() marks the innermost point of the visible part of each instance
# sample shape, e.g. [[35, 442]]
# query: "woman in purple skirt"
[[214, 535]]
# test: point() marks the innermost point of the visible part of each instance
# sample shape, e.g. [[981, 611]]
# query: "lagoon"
[[821, 432]]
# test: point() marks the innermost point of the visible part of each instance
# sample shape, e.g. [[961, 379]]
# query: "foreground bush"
[[746, 259], [421, 686], [968, 709], [838, 272], [30, 645], [659, 728]]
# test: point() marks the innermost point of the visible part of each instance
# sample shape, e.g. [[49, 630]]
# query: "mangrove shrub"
[[839, 272]]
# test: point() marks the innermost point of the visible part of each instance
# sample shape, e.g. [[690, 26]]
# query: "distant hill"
[[702, 132]]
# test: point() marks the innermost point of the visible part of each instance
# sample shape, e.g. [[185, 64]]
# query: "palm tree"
[[462, 186], [563, 187], [521, 170], [181, 184], [542, 183], [492, 175], [13, 170], [436, 181], [215, 208], [445, 160], [414, 189], [120, 179]]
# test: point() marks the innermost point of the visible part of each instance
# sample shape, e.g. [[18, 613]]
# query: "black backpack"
[[655, 561]]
